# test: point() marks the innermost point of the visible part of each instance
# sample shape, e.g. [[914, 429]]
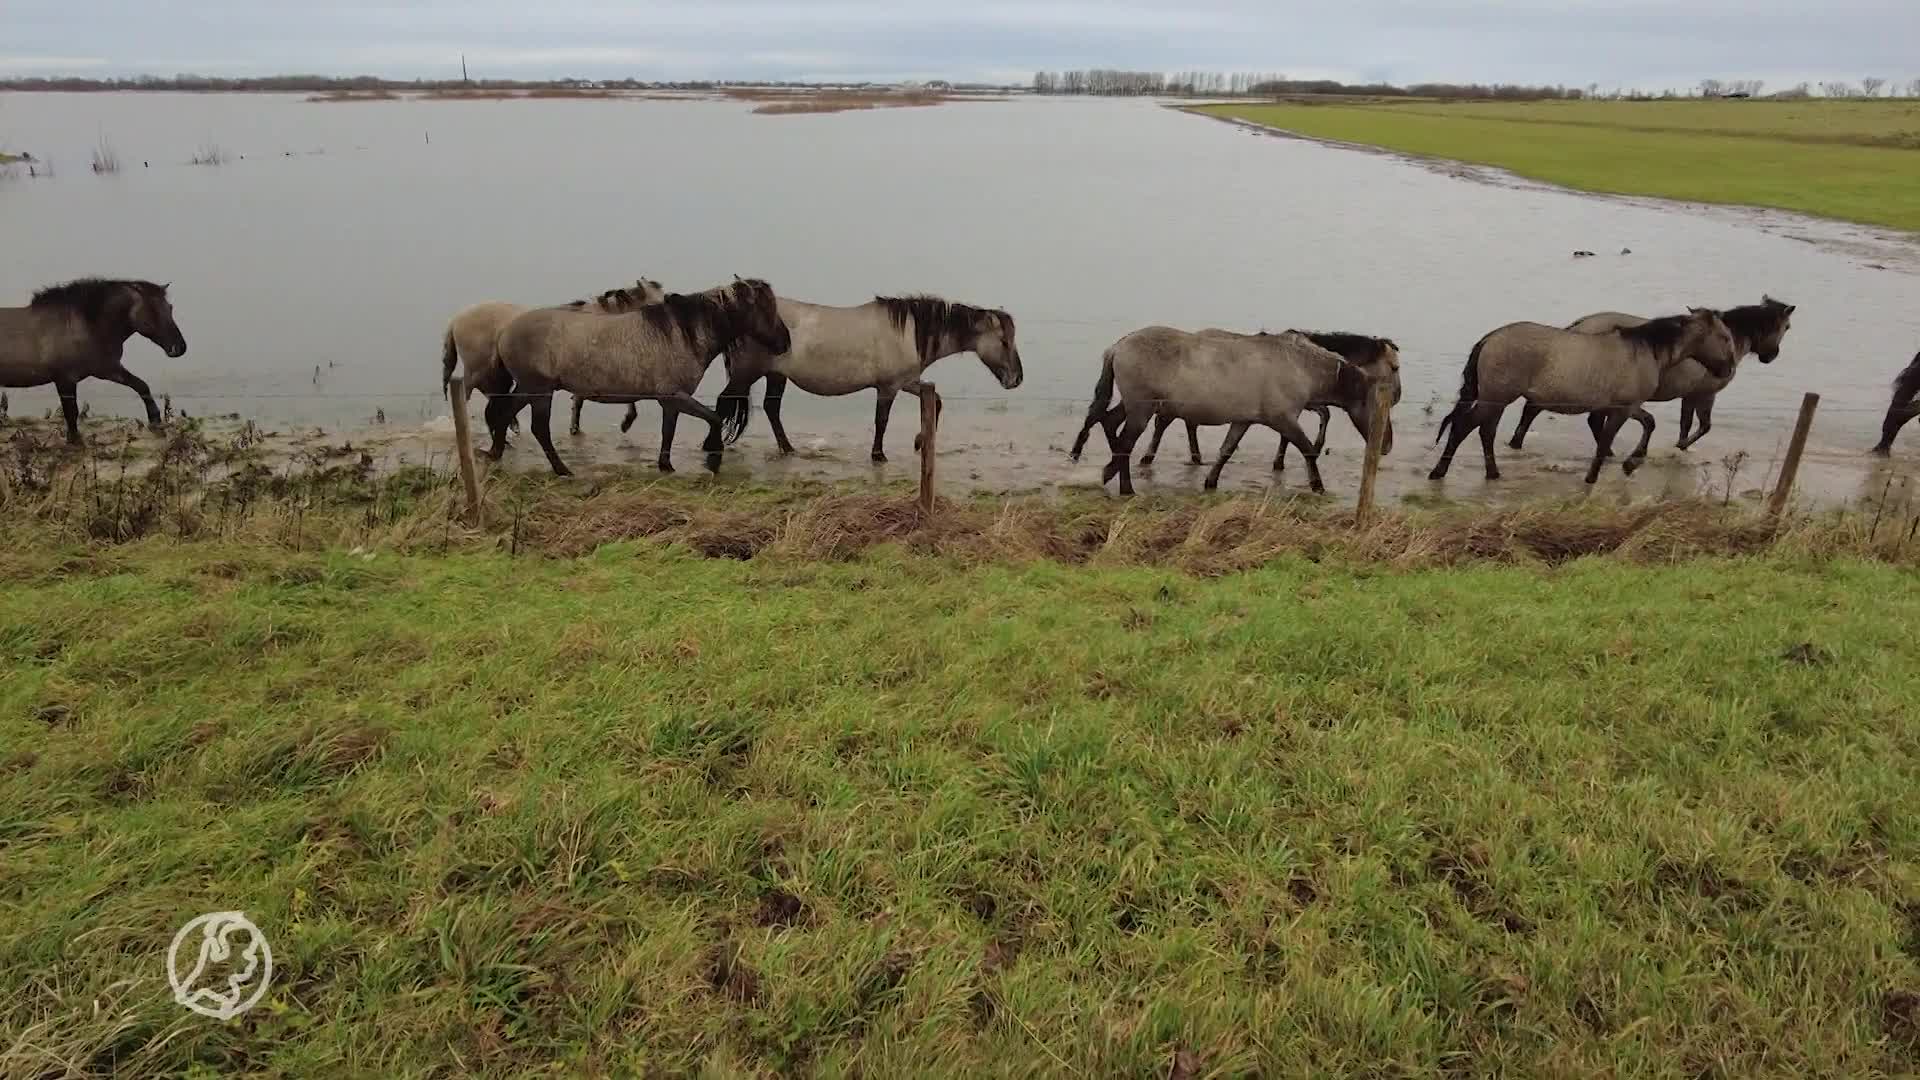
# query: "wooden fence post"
[[463, 443], [1791, 466], [1376, 438], [929, 425]]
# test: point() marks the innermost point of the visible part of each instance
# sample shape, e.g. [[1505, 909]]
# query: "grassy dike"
[[673, 780]]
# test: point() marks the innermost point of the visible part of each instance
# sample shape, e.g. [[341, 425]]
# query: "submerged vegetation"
[[670, 777]]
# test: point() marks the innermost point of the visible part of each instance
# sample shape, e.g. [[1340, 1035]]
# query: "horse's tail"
[[1102, 401], [734, 410], [449, 358], [1469, 391], [1906, 385]]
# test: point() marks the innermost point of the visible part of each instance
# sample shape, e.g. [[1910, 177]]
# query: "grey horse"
[[1219, 377], [1373, 355], [79, 330], [884, 345], [1609, 374], [1906, 387], [657, 352], [1757, 328], [472, 332]]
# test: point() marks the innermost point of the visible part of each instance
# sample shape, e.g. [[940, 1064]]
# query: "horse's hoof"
[[562, 470], [157, 427], [666, 466], [625, 426], [575, 432], [1630, 466], [1437, 474], [1146, 461], [918, 441], [1203, 461], [1493, 474], [713, 463], [1514, 444], [879, 459], [1882, 451]]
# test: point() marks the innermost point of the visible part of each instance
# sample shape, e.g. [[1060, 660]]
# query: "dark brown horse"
[[1906, 387], [79, 331]]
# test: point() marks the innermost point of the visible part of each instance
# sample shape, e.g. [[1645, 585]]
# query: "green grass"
[[1849, 160], [644, 812]]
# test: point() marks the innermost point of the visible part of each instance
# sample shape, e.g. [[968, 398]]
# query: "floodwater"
[[314, 271]]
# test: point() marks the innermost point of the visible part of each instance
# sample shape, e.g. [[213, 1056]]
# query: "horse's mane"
[[717, 310], [89, 297], [1356, 348], [1907, 384], [1661, 333], [934, 318], [1752, 322]]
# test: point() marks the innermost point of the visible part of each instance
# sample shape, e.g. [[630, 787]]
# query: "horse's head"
[[992, 332], [647, 291], [1775, 318], [151, 314], [757, 315], [1710, 342]]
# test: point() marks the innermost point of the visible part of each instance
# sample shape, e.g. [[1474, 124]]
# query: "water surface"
[[314, 272]]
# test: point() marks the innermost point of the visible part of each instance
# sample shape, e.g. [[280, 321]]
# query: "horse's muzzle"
[[1769, 357], [176, 348]]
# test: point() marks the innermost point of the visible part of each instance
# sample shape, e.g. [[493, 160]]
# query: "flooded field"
[[314, 270]]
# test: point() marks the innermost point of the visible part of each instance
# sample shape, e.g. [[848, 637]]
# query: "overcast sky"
[[1644, 43]]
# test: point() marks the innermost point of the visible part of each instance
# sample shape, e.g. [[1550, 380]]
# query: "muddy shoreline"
[[977, 458]]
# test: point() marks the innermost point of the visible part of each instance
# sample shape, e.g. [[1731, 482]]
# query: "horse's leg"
[[1897, 416], [1136, 424], [1291, 432], [139, 386], [500, 412], [627, 421], [1528, 414], [882, 409], [670, 408], [1161, 421], [1235, 432], [1458, 427], [776, 392], [69, 392], [1686, 421], [1320, 440], [716, 442], [1646, 440], [1603, 448], [542, 419], [1486, 417], [939, 407], [573, 428], [1703, 412], [1193, 445]]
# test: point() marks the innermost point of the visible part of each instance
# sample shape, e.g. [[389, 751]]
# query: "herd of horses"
[[642, 343]]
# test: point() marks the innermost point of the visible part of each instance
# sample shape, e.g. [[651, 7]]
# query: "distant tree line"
[[1106, 81], [1109, 81]]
